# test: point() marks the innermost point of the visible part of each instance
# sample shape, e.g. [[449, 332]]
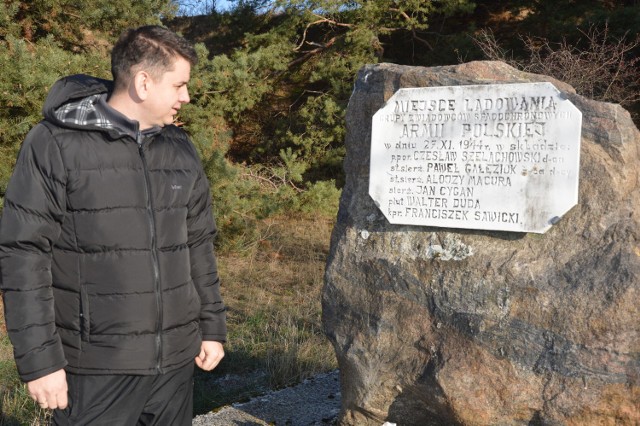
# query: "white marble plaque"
[[495, 157]]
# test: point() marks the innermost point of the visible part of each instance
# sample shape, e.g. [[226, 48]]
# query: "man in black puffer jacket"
[[109, 278]]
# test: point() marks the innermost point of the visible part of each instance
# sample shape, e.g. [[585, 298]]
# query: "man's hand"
[[210, 355], [50, 391]]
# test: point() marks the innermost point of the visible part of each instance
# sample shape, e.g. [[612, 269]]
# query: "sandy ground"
[[315, 401]]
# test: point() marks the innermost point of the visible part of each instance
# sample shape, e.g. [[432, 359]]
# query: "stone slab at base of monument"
[[438, 325]]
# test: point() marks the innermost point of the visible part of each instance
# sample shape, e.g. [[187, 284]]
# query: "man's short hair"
[[151, 48]]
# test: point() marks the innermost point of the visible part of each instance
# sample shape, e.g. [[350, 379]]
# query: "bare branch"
[[420, 39], [310, 53], [603, 69], [414, 34], [319, 21], [304, 34]]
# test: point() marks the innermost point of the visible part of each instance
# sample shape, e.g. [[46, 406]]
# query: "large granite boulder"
[[436, 326]]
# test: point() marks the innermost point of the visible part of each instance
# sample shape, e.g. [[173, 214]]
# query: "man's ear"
[[142, 84]]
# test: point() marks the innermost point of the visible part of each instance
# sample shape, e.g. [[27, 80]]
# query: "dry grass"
[[272, 290]]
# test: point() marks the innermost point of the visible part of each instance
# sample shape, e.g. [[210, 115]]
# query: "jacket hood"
[[80, 102], [73, 88]]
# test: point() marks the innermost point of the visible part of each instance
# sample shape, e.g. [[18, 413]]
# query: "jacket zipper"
[[154, 253]]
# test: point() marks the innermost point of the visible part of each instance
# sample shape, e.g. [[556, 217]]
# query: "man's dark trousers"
[[124, 400]]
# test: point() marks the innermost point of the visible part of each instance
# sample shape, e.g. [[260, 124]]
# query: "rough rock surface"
[[437, 326]]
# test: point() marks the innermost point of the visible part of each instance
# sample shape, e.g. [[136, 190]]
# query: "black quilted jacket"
[[106, 252]]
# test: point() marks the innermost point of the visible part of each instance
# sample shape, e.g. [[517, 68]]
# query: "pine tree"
[[44, 40]]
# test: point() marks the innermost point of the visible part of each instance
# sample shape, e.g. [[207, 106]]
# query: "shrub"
[[598, 66]]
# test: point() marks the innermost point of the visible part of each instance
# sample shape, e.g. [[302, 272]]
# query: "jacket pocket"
[[85, 317]]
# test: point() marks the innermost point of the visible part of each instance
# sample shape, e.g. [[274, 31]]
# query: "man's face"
[[166, 95]]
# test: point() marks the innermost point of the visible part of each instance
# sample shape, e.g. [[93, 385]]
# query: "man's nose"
[[184, 96]]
